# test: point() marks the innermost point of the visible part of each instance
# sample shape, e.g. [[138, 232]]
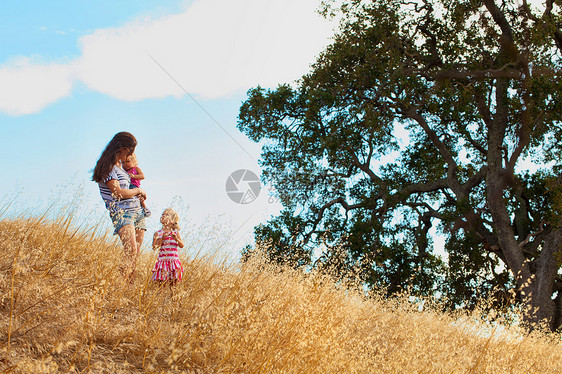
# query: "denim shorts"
[[122, 218]]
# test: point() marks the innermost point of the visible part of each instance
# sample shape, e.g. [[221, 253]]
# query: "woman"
[[123, 203]]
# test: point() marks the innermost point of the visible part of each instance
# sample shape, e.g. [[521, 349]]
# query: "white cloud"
[[27, 87], [214, 48]]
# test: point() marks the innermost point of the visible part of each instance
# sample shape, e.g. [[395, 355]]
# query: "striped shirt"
[[112, 203]]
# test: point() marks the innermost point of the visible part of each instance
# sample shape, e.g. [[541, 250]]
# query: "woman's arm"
[[120, 193], [139, 175]]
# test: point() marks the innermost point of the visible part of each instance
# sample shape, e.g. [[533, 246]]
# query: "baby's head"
[[131, 162], [170, 218]]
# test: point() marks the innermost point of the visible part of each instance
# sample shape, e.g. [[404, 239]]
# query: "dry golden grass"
[[63, 309]]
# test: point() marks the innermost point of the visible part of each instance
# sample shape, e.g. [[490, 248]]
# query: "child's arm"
[[139, 175], [157, 241], [178, 239]]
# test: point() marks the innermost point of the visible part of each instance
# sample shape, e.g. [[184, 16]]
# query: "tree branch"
[[412, 113], [547, 14], [433, 186], [528, 239], [500, 20], [364, 167], [475, 179], [503, 72], [320, 214]]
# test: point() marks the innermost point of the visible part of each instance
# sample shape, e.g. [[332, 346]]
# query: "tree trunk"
[[513, 255], [544, 309], [496, 181]]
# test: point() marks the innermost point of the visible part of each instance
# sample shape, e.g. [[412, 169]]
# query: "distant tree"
[[423, 115]]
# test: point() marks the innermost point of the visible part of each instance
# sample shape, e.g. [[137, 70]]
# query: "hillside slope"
[[63, 309]]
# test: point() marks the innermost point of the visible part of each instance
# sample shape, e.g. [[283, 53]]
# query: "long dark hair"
[[108, 157]]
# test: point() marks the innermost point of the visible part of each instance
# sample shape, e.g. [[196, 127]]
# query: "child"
[[168, 268], [131, 166]]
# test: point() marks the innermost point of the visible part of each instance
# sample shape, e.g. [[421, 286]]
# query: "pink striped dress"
[[168, 265]]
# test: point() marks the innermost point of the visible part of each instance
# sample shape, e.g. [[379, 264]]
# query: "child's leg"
[[173, 281], [146, 211]]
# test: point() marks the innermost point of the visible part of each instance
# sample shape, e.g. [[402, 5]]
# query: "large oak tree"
[[422, 116]]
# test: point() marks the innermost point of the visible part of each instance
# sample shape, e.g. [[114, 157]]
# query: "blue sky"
[[73, 73]]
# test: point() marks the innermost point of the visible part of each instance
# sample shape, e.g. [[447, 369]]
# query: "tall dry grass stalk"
[[63, 308]]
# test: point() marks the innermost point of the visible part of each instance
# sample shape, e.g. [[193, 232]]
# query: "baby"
[[131, 166]]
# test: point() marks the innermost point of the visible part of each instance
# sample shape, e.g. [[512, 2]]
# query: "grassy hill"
[[63, 308]]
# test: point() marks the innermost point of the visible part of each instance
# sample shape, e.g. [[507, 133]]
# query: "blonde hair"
[[175, 217], [133, 158]]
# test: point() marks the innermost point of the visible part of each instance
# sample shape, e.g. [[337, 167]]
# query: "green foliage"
[[473, 274], [419, 115]]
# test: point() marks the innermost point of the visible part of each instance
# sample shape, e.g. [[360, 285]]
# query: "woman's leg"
[[130, 251], [139, 233], [139, 237]]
